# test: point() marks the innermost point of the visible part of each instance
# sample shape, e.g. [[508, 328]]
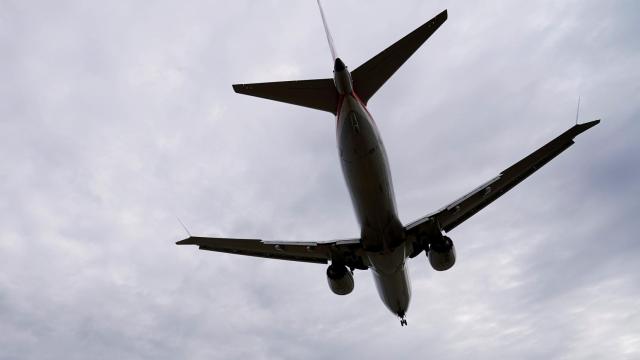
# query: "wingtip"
[[187, 241], [578, 129], [589, 124]]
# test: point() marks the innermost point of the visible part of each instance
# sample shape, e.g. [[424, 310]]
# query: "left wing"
[[460, 210], [347, 252]]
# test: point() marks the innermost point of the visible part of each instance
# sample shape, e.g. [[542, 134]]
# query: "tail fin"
[[370, 76], [334, 54], [322, 94], [318, 94]]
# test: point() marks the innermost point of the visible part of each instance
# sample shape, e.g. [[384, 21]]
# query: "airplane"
[[384, 244]]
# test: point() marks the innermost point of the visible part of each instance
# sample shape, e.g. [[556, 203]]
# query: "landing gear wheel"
[[403, 322]]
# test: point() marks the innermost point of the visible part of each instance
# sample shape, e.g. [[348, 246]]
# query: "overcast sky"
[[118, 116]]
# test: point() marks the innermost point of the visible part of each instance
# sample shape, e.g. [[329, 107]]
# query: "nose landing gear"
[[403, 321]]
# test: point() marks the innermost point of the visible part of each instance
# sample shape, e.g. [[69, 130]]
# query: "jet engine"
[[442, 254], [340, 279]]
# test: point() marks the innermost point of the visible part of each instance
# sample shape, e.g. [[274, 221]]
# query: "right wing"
[[460, 210], [320, 94], [347, 252]]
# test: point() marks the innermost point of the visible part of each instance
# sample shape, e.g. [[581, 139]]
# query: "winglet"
[[183, 226], [578, 110]]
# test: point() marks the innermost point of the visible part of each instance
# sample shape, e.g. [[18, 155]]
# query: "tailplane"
[[323, 94], [320, 94], [370, 76]]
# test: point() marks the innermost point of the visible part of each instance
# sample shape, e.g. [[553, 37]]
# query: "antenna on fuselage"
[[334, 54]]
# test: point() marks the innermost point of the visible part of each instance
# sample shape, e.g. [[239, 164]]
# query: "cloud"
[[117, 117]]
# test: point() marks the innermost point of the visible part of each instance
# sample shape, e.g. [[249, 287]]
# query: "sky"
[[116, 117]]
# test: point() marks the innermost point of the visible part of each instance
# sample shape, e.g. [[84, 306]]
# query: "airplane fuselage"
[[366, 171]]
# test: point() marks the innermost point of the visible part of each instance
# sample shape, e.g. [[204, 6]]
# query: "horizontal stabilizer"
[[370, 76], [320, 94]]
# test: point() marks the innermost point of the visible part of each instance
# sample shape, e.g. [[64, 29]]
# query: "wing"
[[460, 210], [347, 252]]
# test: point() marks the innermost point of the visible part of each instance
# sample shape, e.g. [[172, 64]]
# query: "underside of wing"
[[343, 251], [460, 210]]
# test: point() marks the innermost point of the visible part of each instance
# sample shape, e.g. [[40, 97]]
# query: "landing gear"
[[403, 319]]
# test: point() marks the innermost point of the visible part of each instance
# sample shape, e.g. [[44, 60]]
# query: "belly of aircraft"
[[366, 171]]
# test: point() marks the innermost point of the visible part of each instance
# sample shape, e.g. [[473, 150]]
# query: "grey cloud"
[[117, 117]]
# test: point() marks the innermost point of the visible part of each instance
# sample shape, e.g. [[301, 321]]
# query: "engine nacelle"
[[340, 279], [442, 254]]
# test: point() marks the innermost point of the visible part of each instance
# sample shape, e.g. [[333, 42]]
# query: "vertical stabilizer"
[[320, 94], [334, 54], [341, 76]]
